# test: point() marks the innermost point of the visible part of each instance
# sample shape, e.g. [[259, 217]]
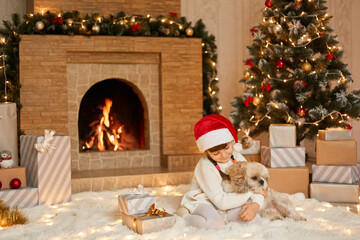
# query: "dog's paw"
[[299, 218], [276, 217]]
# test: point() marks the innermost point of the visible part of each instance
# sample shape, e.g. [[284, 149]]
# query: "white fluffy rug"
[[94, 215]]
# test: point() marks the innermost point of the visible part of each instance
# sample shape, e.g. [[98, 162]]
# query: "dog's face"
[[248, 176]]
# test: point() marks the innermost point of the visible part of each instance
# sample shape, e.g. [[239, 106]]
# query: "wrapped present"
[[283, 157], [341, 152], [152, 221], [8, 130], [137, 202], [331, 134], [21, 198], [253, 149], [335, 174], [282, 135], [48, 166], [253, 158], [335, 192], [8, 174], [289, 180]]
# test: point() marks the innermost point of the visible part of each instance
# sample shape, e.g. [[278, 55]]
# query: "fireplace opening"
[[113, 117]]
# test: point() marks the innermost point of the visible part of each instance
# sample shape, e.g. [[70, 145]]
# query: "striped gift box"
[[49, 171], [336, 174], [283, 157], [21, 198], [135, 203]]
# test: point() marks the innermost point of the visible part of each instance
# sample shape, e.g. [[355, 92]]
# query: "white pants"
[[206, 216]]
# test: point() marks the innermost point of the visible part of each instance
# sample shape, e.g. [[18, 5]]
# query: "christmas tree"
[[295, 73]]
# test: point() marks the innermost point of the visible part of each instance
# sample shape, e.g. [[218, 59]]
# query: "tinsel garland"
[[9, 217]]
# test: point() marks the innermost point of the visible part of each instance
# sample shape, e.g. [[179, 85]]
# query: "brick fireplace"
[[56, 72]]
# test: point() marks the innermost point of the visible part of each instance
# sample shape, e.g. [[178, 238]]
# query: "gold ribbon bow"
[[152, 211]]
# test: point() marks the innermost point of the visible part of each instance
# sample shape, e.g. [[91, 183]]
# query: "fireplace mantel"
[[56, 71]]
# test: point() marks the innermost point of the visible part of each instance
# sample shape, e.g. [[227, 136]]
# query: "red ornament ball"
[[0, 184], [268, 3], [15, 183], [301, 112], [348, 127], [280, 64]]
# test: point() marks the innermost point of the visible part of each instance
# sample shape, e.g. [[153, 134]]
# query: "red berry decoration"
[[301, 112], [280, 64], [15, 183], [0, 184], [348, 127], [268, 3]]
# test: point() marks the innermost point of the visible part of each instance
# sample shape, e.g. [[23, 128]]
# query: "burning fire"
[[107, 135]]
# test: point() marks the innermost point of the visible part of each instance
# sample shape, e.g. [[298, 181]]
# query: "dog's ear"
[[237, 173]]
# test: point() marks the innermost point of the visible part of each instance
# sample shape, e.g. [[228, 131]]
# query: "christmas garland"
[[71, 23], [9, 217]]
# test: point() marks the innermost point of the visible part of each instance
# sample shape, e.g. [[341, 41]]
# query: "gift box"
[[8, 130], [21, 198], [253, 158], [282, 135], [253, 149], [335, 192], [283, 157], [289, 180], [335, 174], [135, 203], [48, 166], [147, 223], [341, 152], [8, 174], [331, 134]]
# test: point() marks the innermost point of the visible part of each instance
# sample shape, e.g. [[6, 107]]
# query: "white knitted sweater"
[[206, 188]]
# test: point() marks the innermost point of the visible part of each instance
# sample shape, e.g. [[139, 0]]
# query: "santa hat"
[[213, 130]]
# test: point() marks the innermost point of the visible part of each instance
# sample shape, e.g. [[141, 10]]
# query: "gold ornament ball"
[[69, 21], [246, 141], [95, 28], [39, 25], [306, 67], [189, 32], [276, 28], [151, 20], [256, 101], [247, 74]]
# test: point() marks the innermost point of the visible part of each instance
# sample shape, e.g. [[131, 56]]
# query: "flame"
[[105, 128]]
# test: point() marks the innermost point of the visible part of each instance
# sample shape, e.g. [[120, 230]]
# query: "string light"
[[214, 78], [3, 42], [292, 120]]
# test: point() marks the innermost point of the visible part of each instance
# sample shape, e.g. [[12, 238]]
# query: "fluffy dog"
[[253, 176]]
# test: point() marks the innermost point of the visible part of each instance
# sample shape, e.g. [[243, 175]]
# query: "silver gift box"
[[335, 134], [135, 203], [282, 135]]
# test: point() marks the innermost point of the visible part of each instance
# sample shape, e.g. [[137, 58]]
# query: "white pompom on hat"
[[213, 130]]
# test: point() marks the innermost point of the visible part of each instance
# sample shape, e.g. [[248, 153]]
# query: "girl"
[[216, 136]]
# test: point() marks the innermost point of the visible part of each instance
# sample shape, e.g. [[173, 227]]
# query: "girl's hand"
[[262, 192], [249, 211]]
